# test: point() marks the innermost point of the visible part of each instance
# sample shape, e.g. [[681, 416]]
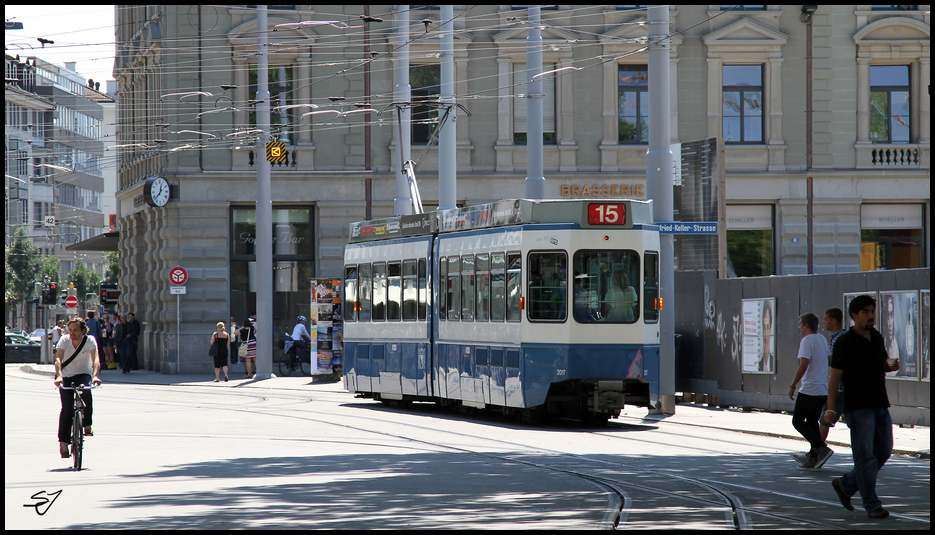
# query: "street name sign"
[[687, 227]]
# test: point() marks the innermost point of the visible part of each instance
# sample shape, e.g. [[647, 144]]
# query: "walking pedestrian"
[[94, 330], [861, 362], [248, 336], [812, 395], [223, 341], [125, 345], [107, 340], [833, 323], [133, 335]]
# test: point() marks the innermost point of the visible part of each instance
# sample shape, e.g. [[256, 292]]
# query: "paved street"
[[288, 454]]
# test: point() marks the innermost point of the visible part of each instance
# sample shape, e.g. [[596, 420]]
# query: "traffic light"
[[53, 294], [44, 296]]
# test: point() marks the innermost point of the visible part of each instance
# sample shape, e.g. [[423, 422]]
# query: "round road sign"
[[178, 275], [71, 301]]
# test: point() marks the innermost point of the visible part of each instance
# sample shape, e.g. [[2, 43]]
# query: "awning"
[[101, 242]]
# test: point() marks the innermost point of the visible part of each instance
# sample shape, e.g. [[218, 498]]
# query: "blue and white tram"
[[533, 307]]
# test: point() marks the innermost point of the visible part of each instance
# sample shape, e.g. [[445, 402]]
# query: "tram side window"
[[548, 287], [497, 286], [394, 290], [467, 288], [514, 287], [606, 286], [351, 304], [650, 286], [410, 290], [423, 289], [454, 288], [483, 287], [364, 291], [379, 291], [442, 288]]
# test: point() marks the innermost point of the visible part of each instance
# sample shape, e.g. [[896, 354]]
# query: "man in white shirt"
[[813, 371], [75, 361]]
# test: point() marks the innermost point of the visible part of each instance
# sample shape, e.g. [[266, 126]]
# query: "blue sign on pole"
[[688, 227]]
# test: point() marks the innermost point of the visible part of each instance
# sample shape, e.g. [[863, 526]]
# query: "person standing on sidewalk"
[[813, 371], [860, 361], [833, 322]]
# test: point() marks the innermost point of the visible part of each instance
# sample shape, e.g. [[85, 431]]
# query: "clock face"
[[158, 191]]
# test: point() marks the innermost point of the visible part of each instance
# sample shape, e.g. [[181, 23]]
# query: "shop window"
[[891, 236], [750, 241]]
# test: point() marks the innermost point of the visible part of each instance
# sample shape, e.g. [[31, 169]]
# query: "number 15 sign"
[[178, 275]]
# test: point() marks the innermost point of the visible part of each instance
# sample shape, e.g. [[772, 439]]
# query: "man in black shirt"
[[860, 360]]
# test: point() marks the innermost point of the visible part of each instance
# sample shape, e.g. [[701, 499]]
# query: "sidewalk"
[[913, 442]]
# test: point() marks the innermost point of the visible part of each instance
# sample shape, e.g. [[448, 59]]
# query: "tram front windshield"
[[606, 286]]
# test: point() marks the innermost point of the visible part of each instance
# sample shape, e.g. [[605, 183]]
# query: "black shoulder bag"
[[84, 340]]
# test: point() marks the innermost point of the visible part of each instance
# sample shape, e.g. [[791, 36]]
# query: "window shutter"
[[519, 104]]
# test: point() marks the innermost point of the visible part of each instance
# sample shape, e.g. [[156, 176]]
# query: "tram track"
[[715, 499]]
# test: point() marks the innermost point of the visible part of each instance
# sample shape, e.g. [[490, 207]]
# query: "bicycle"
[[77, 425], [289, 362]]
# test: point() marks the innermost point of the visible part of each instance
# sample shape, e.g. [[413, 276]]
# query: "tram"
[[536, 308]]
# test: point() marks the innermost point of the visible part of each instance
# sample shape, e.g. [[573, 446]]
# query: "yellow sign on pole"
[[275, 151]]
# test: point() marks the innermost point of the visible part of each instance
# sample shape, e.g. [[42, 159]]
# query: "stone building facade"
[[737, 74]]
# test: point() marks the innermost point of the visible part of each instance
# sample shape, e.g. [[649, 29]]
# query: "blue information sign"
[[688, 227]]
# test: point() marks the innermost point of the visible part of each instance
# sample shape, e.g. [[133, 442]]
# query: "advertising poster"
[[848, 297], [898, 321], [759, 344], [926, 335], [328, 314]]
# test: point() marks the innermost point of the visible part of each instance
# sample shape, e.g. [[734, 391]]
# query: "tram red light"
[[522, 303], [606, 238]]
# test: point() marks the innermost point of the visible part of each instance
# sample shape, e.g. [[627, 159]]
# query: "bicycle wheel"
[[305, 364], [77, 439], [286, 366]]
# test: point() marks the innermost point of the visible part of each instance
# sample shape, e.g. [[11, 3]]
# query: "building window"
[[281, 94], [891, 236], [520, 91], [742, 103], [633, 104], [750, 241], [425, 81], [889, 103]]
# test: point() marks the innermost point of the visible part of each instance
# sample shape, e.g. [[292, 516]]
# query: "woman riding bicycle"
[[75, 361]]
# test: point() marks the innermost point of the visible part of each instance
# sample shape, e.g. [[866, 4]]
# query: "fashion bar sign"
[[603, 190]]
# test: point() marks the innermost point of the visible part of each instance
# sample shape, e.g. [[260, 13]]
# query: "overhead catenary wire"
[[189, 109]]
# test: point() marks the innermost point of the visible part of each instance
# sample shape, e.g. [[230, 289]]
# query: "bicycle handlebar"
[[79, 387]]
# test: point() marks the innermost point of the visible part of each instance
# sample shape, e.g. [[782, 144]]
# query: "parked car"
[[37, 335], [20, 349]]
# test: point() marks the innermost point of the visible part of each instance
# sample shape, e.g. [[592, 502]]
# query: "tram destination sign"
[[688, 227]]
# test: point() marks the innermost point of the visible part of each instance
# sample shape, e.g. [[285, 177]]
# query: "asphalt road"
[[221, 457]]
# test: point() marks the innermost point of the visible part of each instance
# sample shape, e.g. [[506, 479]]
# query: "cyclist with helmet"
[[299, 335]]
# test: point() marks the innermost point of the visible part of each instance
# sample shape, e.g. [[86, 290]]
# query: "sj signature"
[[44, 504]]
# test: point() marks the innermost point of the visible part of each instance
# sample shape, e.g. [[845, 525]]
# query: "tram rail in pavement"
[[907, 441]]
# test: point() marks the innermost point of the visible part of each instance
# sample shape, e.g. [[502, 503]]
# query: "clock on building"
[[156, 191]]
